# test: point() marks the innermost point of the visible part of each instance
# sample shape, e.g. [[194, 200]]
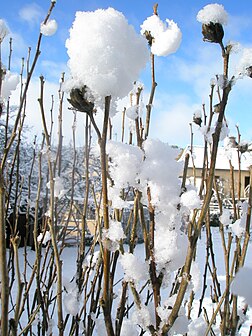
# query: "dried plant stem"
[[107, 290], [233, 189], [123, 124], [20, 285], [27, 83], [194, 238], [51, 223], [149, 106], [85, 207], [3, 263]]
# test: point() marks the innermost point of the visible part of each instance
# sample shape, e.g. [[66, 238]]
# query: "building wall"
[[224, 180]]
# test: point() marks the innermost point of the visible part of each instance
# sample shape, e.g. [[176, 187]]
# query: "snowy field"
[[69, 257]]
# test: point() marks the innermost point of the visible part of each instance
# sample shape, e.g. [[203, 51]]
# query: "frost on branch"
[[122, 53], [164, 38]]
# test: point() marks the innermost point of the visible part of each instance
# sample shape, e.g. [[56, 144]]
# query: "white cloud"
[[53, 70], [171, 117], [31, 13]]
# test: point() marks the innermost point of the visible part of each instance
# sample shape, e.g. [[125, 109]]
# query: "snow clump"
[[214, 13], [166, 36], [197, 327], [59, 190], [155, 172], [135, 270], [71, 297], [49, 28], [239, 226], [191, 200], [129, 328], [143, 317], [245, 63], [241, 284], [105, 53], [44, 238], [113, 235], [4, 31], [9, 84], [225, 218]]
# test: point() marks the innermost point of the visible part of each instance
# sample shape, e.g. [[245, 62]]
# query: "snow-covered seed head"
[[249, 71], [242, 147], [212, 17], [212, 32], [197, 120], [79, 101], [147, 33]]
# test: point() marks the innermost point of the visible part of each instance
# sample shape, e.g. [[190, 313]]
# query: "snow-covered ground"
[[69, 257]]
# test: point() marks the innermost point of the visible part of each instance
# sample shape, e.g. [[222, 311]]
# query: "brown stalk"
[[193, 241], [107, 290], [151, 98], [52, 215]]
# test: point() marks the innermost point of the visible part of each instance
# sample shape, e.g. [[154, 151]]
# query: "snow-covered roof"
[[223, 157]]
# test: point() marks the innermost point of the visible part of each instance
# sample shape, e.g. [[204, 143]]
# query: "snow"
[[239, 226], [225, 218], [132, 112], [9, 84], [122, 52], [128, 328], [71, 298], [214, 13], [135, 270], [59, 190], [145, 316], [241, 284], [4, 31], [166, 35], [197, 327], [198, 114], [196, 276], [222, 161], [114, 234], [125, 163], [170, 256], [44, 238], [49, 28], [245, 61], [191, 200]]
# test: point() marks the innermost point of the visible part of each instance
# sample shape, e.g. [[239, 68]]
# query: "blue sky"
[[183, 78]]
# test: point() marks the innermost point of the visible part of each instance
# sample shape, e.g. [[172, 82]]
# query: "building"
[[227, 159]]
